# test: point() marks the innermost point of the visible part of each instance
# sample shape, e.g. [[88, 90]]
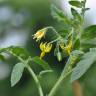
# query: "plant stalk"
[[36, 80], [57, 85]]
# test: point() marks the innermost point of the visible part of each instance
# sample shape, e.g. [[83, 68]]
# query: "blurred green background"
[[19, 19]]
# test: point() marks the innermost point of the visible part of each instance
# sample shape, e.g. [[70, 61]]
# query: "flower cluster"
[[67, 48], [45, 48]]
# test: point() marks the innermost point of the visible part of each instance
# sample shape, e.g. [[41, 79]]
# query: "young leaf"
[[41, 62], [77, 44], [51, 34], [17, 73], [19, 52], [89, 37], [58, 14], [83, 65], [77, 4], [89, 32], [76, 14]]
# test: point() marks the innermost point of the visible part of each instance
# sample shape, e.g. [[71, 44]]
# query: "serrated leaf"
[[83, 65], [17, 51], [77, 4], [89, 32], [41, 62], [17, 73], [89, 37], [58, 14], [76, 15], [77, 44]]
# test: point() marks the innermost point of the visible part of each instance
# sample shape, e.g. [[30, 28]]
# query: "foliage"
[[70, 45]]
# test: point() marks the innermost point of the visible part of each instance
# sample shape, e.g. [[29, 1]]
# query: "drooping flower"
[[45, 48], [39, 34], [67, 48], [62, 45]]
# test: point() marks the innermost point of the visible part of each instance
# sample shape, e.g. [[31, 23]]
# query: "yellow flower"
[[45, 48], [62, 46], [68, 47], [39, 34]]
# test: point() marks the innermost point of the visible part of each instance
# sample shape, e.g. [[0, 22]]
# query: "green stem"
[[36, 80], [58, 83], [55, 40]]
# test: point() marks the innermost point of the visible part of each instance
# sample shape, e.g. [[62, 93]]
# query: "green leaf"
[[41, 62], [89, 37], [17, 73], [89, 42], [83, 65], [92, 49], [16, 51], [76, 14], [89, 32], [59, 15], [51, 34], [77, 4], [63, 32], [76, 44]]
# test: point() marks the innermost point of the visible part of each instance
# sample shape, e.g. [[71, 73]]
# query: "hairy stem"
[[58, 84], [36, 80]]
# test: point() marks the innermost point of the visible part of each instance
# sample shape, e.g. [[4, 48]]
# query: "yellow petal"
[[39, 34], [62, 46], [42, 55], [48, 48], [42, 46]]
